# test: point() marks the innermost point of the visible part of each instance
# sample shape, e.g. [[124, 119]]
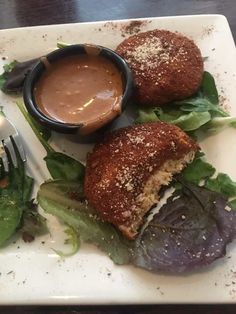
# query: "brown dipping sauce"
[[80, 88]]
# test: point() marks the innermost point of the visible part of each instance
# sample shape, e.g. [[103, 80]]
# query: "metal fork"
[[8, 135]]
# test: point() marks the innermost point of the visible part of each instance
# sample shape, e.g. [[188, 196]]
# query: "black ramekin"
[[39, 68]]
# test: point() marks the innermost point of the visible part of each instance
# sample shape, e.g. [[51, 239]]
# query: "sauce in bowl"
[[80, 89]]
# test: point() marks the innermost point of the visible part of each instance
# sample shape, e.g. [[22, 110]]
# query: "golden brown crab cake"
[[125, 172], [166, 66]]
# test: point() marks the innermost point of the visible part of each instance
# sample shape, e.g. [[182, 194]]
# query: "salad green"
[[72, 240], [64, 199], [222, 184], [7, 69], [191, 230], [198, 170], [16, 210], [201, 112], [166, 244]]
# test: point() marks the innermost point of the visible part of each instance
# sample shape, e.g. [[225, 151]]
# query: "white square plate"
[[33, 273]]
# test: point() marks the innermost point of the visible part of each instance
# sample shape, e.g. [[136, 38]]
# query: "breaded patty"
[[166, 66], [125, 172]]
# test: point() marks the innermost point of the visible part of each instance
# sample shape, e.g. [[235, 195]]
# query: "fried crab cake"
[[125, 172], [166, 66]]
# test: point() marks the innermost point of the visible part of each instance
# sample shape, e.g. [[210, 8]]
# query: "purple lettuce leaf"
[[191, 230]]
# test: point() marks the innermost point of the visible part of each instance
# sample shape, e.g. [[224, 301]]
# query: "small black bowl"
[[39, 68]]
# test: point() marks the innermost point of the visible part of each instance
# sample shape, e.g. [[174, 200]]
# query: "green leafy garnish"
[[147, 115], [64, 167], [191, 121], [197, 171], [7, 69], [208, 88], [200, 112], [222, 184], [218, 123], [61, 44], [11, 209], [64, 200], [233, 204], [199, 104], [186, 121], [15, 209], [73, 240]]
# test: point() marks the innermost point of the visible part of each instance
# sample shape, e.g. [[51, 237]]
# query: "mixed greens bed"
[[191, 229], [18, 212], [200, 113]]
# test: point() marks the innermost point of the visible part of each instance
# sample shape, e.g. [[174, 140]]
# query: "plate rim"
[[74, 300]]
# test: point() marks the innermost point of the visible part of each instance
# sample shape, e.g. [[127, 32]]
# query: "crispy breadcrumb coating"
[[125, 172], [167, 66]]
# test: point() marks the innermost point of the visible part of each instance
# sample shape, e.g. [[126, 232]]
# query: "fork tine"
[[10, 148], [3, 156], [19, 146]]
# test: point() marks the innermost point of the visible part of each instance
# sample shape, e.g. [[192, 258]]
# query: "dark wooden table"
[[18, 13]]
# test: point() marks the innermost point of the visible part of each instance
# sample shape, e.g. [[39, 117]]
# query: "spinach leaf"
[[64, 199], [147, 115], [191, 121], [7, 69], [233, 204], [10, 215], [197, 171], [187, 122], [28, 188], [64, 167], [200, 112], [13, 196], [199, 104], [206, 99], [218, 123], [190, 231], [17, 212], [208, 88], [222, 184]]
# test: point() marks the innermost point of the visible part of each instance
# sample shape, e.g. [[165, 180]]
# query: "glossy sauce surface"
[[79, 88]]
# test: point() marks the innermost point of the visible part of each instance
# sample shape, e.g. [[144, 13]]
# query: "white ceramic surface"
[[33, 273]]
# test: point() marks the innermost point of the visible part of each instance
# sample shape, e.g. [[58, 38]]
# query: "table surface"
[[19, 13]]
